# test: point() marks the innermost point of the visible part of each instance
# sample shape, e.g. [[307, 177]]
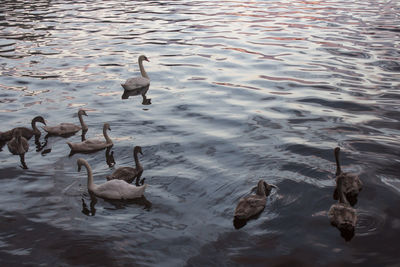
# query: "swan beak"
[[79, 168], [147, 59]]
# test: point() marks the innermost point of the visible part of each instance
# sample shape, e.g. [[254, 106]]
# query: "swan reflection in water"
[[139, 91], [118, 204]]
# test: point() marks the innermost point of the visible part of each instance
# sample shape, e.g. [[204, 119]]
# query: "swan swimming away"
[[18, 145], [140, 81], [351, 183], [129, 174], [25, 132], [341, 214], [252, 205], [67, 128], [114, 189], [92, 145]]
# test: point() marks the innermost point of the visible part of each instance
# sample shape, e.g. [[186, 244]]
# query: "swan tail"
[[70, 145]]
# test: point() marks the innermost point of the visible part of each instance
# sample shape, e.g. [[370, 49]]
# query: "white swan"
[[114, 189], [129, 174], [91, 145], [138, 82], [67, 128]]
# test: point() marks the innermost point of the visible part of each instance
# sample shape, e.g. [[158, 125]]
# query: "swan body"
[[67, 128], [342, 215], [25, 132], [128, 174], [138, 82], [18, 145], [254, 204], [114, 189], [91, 145], [351, 184]]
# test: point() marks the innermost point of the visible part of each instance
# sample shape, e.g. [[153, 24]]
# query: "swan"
[[252, 205], [25, 132], [129, 174], [114, 189], [18, 145], [351, 184], [341, 214], [91, 145], [67, 128], [140, 81]]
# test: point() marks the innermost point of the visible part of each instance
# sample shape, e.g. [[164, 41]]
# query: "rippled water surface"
[[240, 90]]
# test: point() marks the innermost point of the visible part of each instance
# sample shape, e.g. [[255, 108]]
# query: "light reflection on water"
[[239, 91]]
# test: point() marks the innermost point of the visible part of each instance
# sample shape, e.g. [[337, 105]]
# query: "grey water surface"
[[240, 90]]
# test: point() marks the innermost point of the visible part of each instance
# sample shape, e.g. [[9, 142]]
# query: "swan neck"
[[142, 71], [135, 156], [338, 169], [108, 139], [83, 125], [35, 129], [261, 190], [90, 184], [342, 198]]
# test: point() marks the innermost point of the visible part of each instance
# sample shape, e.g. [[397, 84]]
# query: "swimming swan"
[[67, 128], [129, 174], [252, 205], [25, 132], [18, 145], [341, 214], [138, 82], [351, 183], [114, 189], [91, 145]]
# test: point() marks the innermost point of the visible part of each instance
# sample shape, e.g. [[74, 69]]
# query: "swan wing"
[[111, 189], [62, 129], [135, 83], [132, 191], [89, 145], [124, 173], [250, 206], [119, 189]]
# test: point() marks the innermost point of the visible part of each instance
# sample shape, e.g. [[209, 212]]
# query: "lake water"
[[239, 91]]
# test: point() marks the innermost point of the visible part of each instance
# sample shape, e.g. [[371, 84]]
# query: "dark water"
[[239, 91]]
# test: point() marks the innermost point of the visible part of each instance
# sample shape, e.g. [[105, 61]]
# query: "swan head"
[[143, 57], [80, 162], [337, 150], [82, 112], [107, 126], [39, 119], [138, 149]]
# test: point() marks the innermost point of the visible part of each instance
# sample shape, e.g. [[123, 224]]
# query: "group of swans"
[[342, 215], [118, 185]]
